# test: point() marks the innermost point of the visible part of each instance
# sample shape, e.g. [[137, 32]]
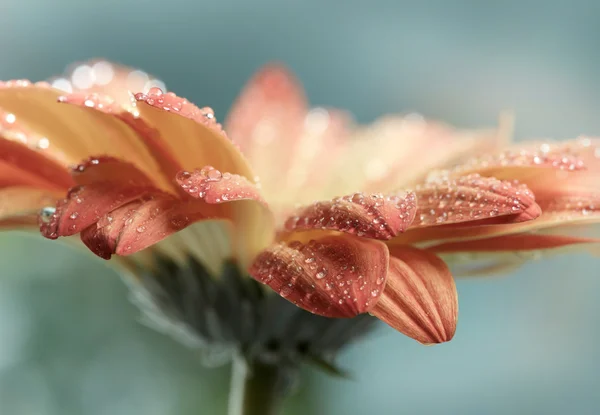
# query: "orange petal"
[[420, 298], [190, 133], [23, 204], [373, 216], [473, 198], [547, 168], [557, 213], [21, 165], [212, 186], [333, 276], [13, 130], [517, 242], [76, 132]]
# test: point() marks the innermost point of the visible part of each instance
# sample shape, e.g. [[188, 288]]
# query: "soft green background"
[[526, 344]]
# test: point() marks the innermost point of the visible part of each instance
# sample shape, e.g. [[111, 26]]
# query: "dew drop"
[[47, 213]]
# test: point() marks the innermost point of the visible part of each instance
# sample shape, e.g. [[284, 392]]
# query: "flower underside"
[[339, 220]]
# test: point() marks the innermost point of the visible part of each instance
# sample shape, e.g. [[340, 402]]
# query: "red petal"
[[472, 198], [102, 237], [104, 184], [142, 223], [85, 205], [373, 216], [420, 298], [212, 186], [334, 276]]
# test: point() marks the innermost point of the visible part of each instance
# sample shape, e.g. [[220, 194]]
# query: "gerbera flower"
[[339, 220]]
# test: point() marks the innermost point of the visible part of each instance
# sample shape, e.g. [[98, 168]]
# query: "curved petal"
[[373, 216], [333, 276], [212, 186], [558, 213], [515, 242], [84, 205], [472, 198], [420, 298], [190, 133], [77, 132], [142, 223], [12, 130], [506, 164], [20, 165], [548, 169], [103, 184], [240, 201]]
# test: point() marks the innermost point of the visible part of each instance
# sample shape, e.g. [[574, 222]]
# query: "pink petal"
[[212, 186], [548, 169], [273, 98], [562, 156], [390, 151], [420, 298], [473, 198], [373, 216], [334, 276]]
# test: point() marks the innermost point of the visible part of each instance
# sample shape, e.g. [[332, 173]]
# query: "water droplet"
[[155, 91], [46, 214]]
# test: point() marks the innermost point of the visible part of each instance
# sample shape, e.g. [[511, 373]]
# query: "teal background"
[[527, 342]]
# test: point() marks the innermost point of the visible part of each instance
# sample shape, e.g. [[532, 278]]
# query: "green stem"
[[257, 388]]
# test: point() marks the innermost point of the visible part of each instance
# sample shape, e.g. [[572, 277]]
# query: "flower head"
[[338, 219]]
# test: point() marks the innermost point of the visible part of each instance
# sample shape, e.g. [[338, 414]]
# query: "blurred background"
[[70, 342]]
